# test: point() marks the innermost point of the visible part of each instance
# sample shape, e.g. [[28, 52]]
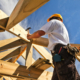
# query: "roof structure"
[[12, 49]]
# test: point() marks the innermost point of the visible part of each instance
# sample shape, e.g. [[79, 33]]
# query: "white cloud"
[[24, 23], [8, 5]]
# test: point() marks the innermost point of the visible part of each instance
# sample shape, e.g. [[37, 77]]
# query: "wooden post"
[[29, 52], [18, 71], [11, 43], [1, 78], [9, 53]]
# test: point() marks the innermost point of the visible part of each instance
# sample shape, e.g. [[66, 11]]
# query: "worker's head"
[[55, 16]]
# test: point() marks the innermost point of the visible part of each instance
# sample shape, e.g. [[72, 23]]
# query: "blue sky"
[[69, 9]]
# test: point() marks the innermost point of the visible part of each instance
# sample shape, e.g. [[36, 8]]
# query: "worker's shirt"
[[57, 33]]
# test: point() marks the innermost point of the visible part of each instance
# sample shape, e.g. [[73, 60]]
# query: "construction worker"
[[58, 38]]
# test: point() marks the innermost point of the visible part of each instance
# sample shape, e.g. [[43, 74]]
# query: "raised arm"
[[36, 34]]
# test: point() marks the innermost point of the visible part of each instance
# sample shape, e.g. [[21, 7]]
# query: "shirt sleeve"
[[46, 27]]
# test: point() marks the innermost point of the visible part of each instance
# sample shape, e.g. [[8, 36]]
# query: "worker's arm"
[[36, 34]]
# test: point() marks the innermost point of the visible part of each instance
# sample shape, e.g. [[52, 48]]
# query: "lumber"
[[13, 59], [18, 71], [41, 41], [22, 51], [9, 78], [11, 43], [9, 53], [43, 52], [29, 51], [16, 30], [2, 30], [45, 76], [3, 22], [23, 9], [1, 78], [20, 32], [23, 55], [42, 64]]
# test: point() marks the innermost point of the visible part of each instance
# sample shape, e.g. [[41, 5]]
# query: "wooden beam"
[[3, 21], [9, 78], [18, 71], [2, 30], [9, 53], [44, 53], [1, 78], [21, 72], [16, 30], [29, 51], [23, 9], [19, 55], [42, 64], [45, 76], [20, 32], [41, 41], [11, 43]]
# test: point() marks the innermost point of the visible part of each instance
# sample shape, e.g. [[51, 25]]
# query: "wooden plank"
[[3, 22], [25, 79], [9, 78], [45, 76], [13, 58], [23, 9], [20, 32], [16, 30], [29, 52], [19, 54], [9, 53], [38, 61], [44, 53], [18, 71], [42, 64], [2, 30], [1, 78], [11, 43], [41, 41]]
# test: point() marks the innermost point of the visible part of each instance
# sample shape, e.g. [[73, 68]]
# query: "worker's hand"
[[28, 36]]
